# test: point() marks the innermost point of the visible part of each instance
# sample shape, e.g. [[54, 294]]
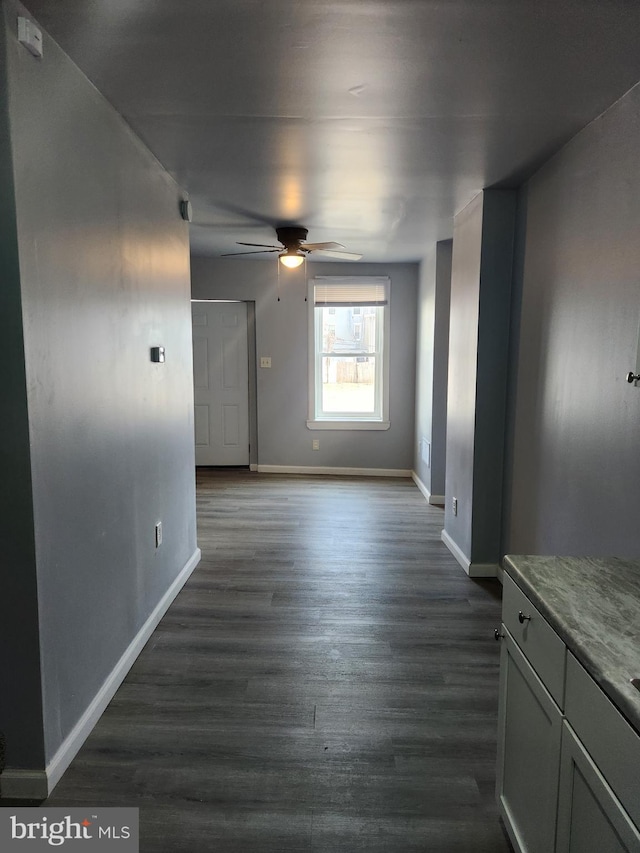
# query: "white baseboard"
[[346, 472], [474, 570], [38, 784], [460, 556], [434, 500]]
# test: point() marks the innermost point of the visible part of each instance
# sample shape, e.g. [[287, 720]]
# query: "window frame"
[[353, 420]]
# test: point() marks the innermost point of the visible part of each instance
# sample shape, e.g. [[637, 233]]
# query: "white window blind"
[[334, 292]]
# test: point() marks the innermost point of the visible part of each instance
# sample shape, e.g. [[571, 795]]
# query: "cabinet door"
[[529, 733], [590, 817]]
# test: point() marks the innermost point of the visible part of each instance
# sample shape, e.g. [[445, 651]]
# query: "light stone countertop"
[[593, 604]]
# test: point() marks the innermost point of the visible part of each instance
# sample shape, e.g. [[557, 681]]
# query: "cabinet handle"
[[522, 618], [498, 635]]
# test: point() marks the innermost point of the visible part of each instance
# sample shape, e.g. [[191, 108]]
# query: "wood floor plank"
[[326, 681]]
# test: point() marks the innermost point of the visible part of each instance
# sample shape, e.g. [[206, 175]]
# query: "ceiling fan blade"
[[265, 245], [243, 211], [331, 253], [259, 252], [228, 226], [315, 246]]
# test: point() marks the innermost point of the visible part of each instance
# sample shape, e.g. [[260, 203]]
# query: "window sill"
[[343, 425]]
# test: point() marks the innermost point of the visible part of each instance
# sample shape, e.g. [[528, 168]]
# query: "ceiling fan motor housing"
[[291, 236]]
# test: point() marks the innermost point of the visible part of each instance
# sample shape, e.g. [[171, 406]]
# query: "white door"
[[221, 382]]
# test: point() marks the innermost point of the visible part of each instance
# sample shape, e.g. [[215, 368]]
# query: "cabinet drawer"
[[540, 644], [612, 742]]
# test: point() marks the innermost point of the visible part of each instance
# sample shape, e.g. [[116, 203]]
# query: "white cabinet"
[[529, 733], [591, 819], [568, 774], [532, 664], [540, 644]]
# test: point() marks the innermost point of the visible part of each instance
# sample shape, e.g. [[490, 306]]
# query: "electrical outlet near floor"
[[454, 505], [315, 444]]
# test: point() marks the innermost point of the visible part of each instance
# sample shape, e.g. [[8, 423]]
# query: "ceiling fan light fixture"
[[291, 258]]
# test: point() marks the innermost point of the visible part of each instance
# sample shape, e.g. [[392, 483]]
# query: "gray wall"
[[498, 234], [574, 483], [478, 358], [444, 251], [432, 366], [463, 346], [104, 270], [20, 690], [282, 333]]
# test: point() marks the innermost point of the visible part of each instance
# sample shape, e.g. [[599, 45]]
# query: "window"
[[349, 353]]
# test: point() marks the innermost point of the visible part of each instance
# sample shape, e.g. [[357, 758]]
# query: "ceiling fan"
[[294, 249]]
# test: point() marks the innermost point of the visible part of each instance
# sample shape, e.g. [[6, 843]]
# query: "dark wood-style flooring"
[[326, 681]]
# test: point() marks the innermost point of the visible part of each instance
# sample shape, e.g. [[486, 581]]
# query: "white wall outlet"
[[426, 452], [265, 361], [158, 534], [454, 505], [315, 444]]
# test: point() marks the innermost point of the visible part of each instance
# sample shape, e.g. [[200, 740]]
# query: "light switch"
[[265, 361], [30, 36]]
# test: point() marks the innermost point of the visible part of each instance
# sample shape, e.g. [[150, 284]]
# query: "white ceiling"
[[371, 122]]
